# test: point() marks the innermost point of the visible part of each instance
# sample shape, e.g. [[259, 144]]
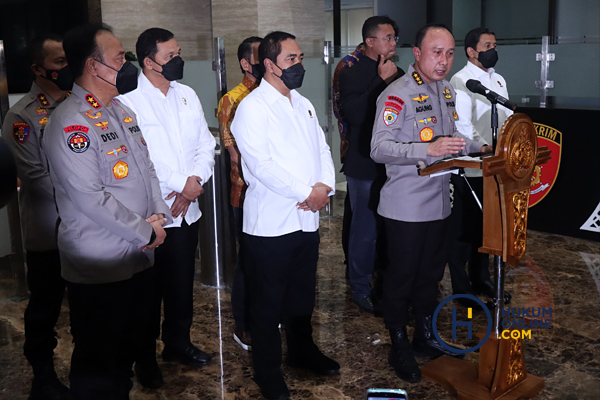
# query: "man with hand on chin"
[[183, 152], [288, 167], [111, 213]]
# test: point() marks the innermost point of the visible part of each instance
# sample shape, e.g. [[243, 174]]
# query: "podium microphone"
[[476, 87]]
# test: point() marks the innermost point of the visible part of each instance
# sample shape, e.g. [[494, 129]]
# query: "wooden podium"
[[500, 373]]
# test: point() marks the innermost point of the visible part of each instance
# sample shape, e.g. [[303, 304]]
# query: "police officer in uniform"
[[25, 122], [415, 122], [111, 210]]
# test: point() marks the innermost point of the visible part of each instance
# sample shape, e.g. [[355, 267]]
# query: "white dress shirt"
[[284, 153], [474, 110], [178, 138]]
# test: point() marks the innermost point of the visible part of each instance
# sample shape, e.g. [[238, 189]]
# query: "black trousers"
[[175, 264], [107, 323], [239, 300], [417, 254], [281, 273], [466, 233], [47, 289]]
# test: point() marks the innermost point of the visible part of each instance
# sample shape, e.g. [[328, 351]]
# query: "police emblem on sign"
[[390, 115], [544, 175], [78, 142]]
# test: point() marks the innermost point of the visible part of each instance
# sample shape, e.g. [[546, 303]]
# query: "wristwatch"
[[152, 238]]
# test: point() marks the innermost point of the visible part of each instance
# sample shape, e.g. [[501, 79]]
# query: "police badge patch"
[[390, 115], [21, 131]]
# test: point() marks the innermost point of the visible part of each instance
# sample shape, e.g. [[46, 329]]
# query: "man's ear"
[[417, 53], [472, 52], [268, 65], [90, 66], [245, 65], [37, 70], [148, 63]]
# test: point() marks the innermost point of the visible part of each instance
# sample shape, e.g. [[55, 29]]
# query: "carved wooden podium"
[[500, 373]]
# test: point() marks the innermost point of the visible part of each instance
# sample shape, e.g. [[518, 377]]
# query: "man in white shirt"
[[289, 170], [474, 112], [182, 150]]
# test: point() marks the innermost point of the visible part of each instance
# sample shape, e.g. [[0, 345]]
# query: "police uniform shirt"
[[178, 138], [105, 188], [410, 113], [23, 130], [474, 110], [284, 153]]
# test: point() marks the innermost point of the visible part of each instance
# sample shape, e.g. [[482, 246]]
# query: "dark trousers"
[[466, 233], [365, 229], [346, 221], [416, 264], [239, 302], [47, 289], [281, 273], [175, 264], [107, 323]]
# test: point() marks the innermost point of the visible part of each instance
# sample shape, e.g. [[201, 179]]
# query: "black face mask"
[[256, 72], [60, 77], [126, 77], [293, 76], [173, 70], [488, 58]]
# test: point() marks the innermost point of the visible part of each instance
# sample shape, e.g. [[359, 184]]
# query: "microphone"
[[476, 87]]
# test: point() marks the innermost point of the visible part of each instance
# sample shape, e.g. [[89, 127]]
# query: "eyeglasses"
[[387, 38]]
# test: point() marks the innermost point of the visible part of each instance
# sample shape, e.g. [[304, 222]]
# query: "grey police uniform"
[[25, 122], [106, 187], [410, 114]]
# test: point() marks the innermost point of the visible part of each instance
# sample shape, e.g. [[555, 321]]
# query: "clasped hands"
[[318, 198], [191, 191]]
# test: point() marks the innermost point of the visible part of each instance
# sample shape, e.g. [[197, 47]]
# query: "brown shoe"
[[243, 339]]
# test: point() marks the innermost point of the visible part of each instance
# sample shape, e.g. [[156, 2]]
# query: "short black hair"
[[473, 37], [371, 25], [270, 47], [423, 31], [80, 44], [146, 45], [37, 53], [245, 48]]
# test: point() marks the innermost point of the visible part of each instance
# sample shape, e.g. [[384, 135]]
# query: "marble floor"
[[556, 271]]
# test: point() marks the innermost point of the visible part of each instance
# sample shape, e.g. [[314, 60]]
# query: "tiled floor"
[[558, 272]]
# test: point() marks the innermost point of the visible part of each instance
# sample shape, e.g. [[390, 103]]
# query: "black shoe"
[[466, 302], [424, 342], [486, 288], [367, 304], [190, 355], [272, 387], [148, 374], [401, 357], [48, 387], [316, 362]]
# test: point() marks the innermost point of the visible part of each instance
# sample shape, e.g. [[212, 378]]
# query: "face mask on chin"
[[488, 58], [60, 77], [126, 80], [293, 76], [173, 70]]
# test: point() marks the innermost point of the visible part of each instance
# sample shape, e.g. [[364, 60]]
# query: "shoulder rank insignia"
[[21, 131], [426, 134], [43, 100], [41, 111], [103, 125], [91, 114], [43, 121], [421, 98], [92, 101], [447, 93], [417, 78], [120, 170], [127, 120]]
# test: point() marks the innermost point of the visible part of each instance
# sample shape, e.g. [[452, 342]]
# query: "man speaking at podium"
[[474, 113], [416, 122]]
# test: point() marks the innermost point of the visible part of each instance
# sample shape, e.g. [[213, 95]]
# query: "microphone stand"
[[494, 126]]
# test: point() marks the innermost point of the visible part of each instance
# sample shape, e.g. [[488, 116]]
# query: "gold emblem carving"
[[522, 153], [516, 369], [520, 208]]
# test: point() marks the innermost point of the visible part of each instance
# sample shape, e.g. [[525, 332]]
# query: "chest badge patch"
[[43, 121], [143, 141], [421, 98], [455, 115], [500, 84], [103, 125], [120, 170], [425, 121], [43, 100], [127, 120], [114, 152], [426, 134], [184, 101], [21, 131], [41, 111], [310, 113], [91, 114], [78, 142], [92, 101], [417, 78], [390, 115], [447, 93]]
